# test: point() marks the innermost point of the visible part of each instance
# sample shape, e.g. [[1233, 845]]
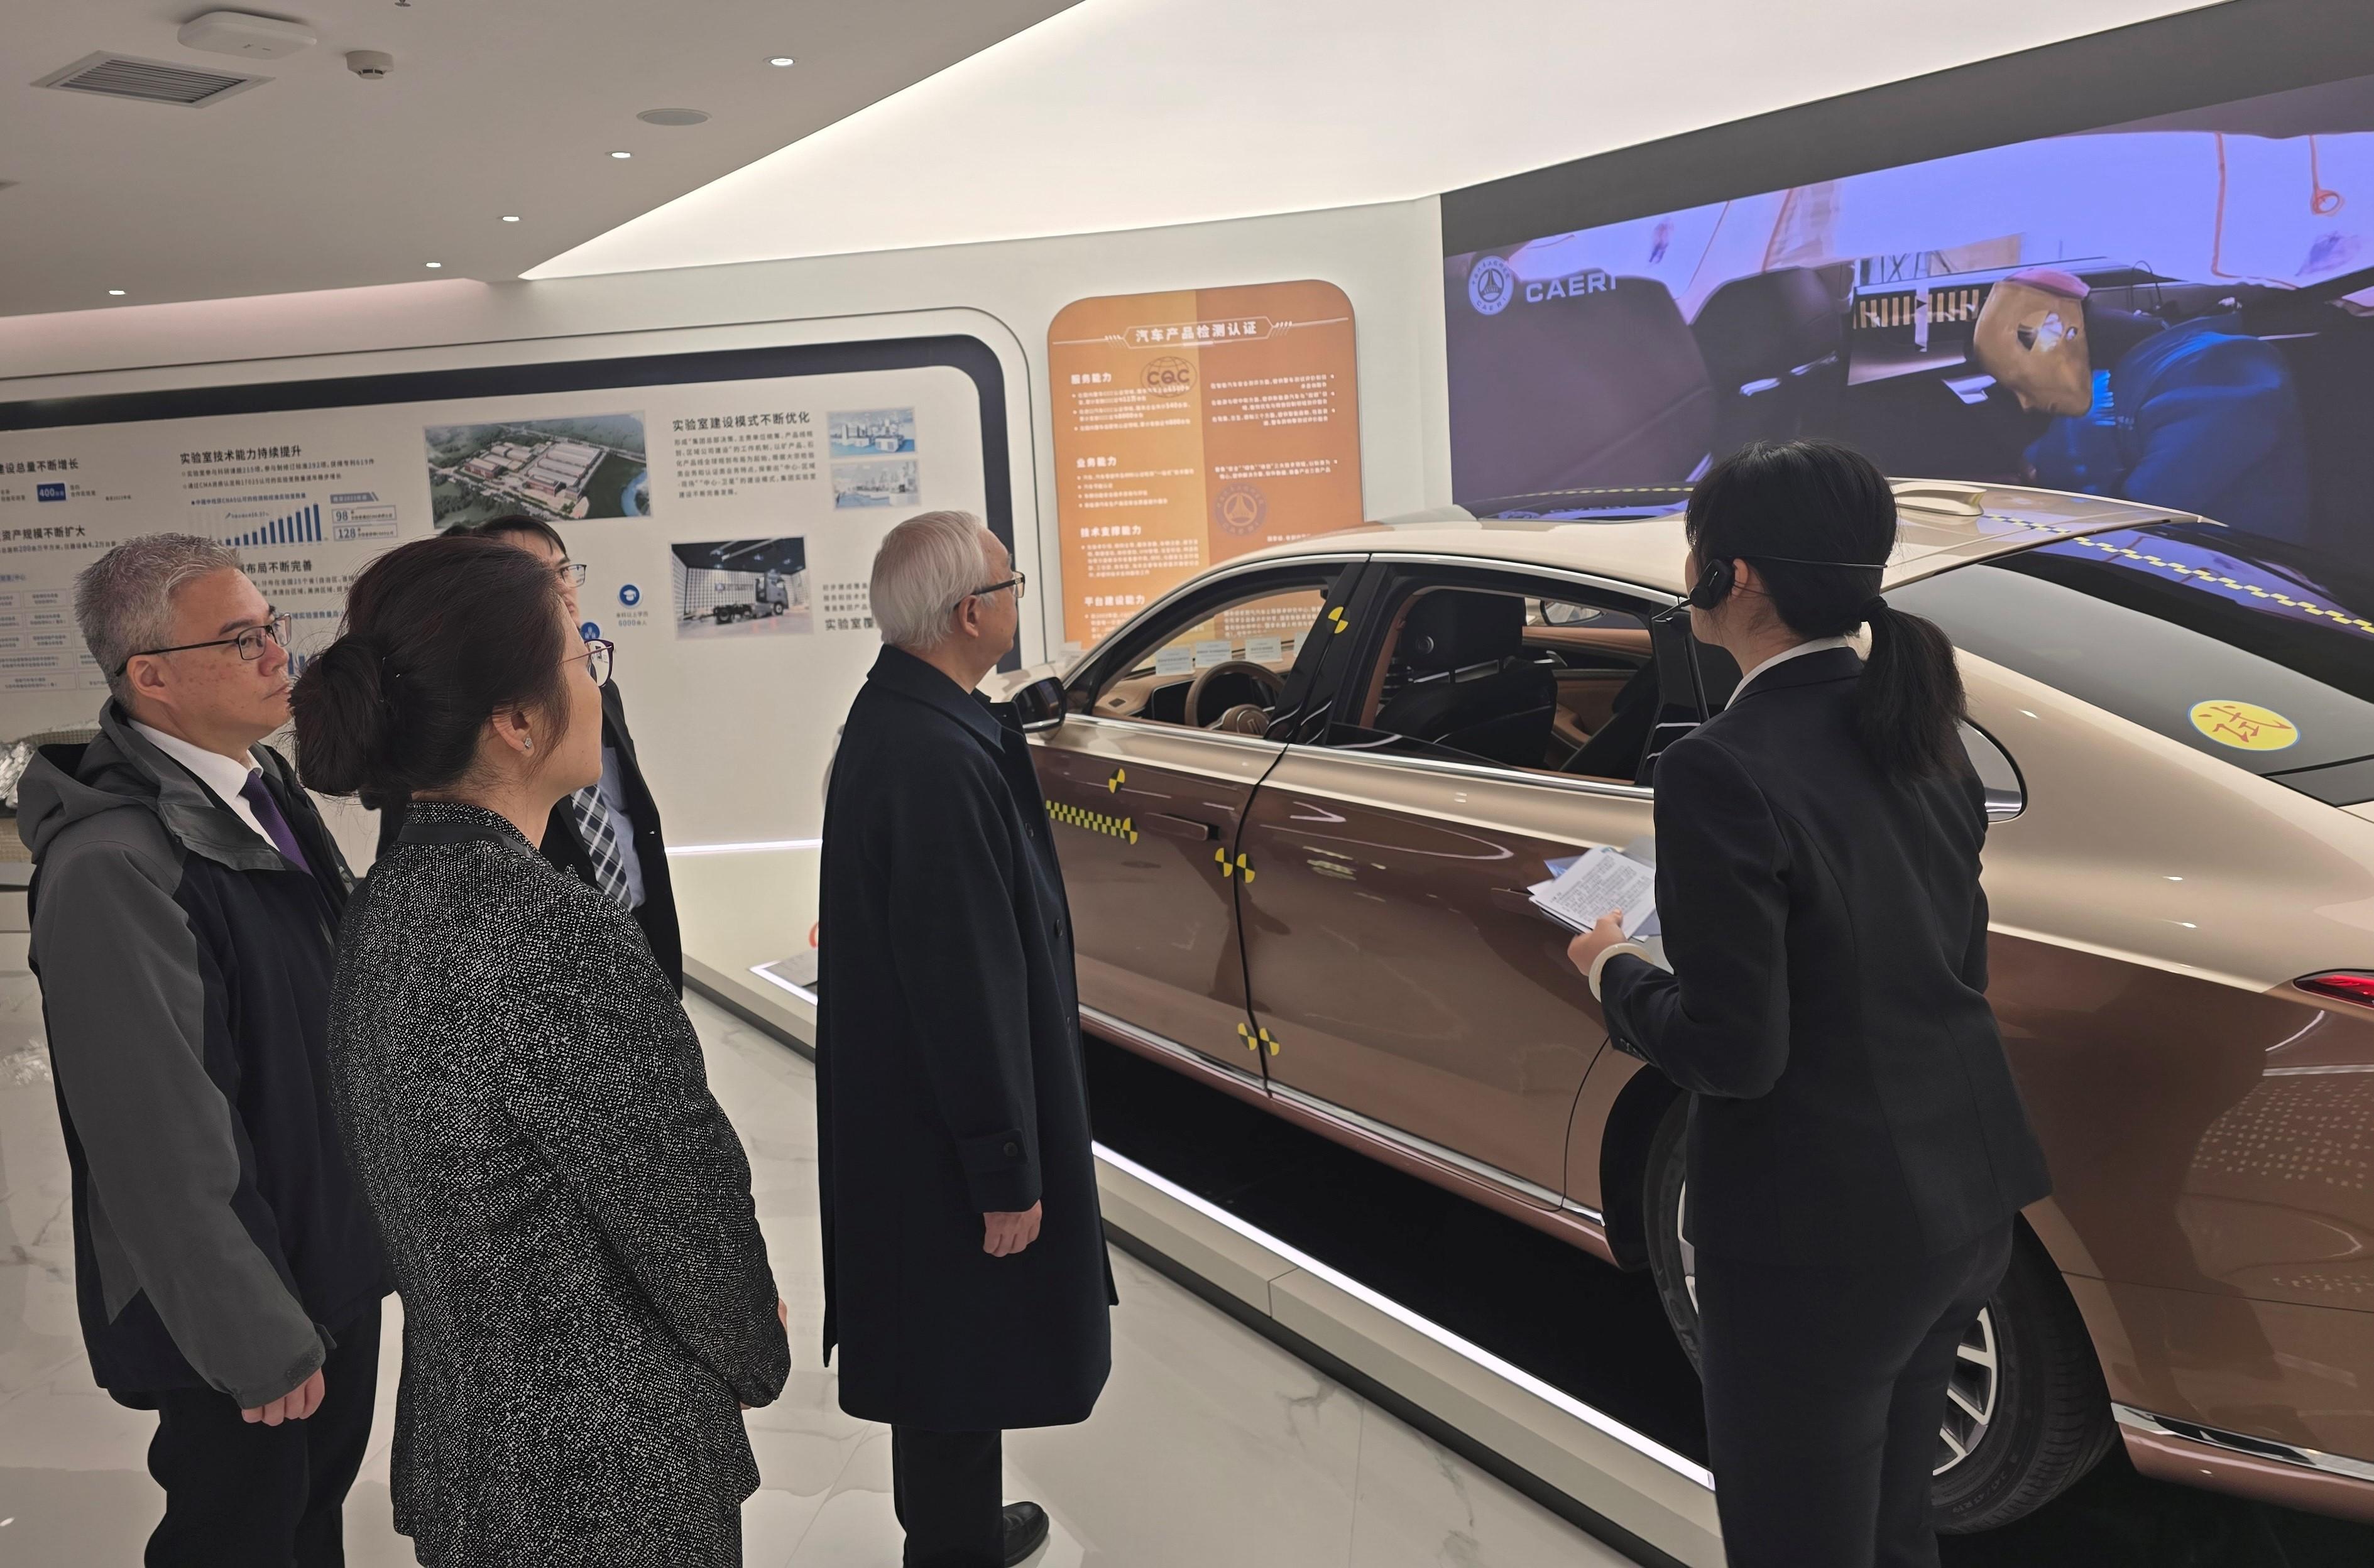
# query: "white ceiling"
[[319, 179], [1132, 113]]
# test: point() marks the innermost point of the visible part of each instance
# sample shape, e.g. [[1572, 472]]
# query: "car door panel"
[[1397, 963], [1142, 812]]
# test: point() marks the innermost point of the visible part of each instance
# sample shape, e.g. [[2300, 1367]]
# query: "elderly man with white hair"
[[966, 1281]]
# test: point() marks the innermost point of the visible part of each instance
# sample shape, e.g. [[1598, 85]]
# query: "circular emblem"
[[630, 595], [1490, 285], [1169, 376], [1239, 508], [2245, 726], [591, 631]]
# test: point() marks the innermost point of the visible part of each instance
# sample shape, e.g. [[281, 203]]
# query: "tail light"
[[2341, 985]]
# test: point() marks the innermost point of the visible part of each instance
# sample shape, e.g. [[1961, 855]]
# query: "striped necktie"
[[599, 831]]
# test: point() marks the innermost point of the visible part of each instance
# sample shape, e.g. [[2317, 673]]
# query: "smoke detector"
[[249, 38]]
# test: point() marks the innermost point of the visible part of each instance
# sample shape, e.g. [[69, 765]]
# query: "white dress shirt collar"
[[216, 771], [1818, 645]]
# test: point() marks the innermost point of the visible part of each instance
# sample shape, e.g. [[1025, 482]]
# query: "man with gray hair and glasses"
[[965, 1273], [185, 903]]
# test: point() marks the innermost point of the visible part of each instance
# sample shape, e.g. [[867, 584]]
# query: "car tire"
[[2042, 1416]]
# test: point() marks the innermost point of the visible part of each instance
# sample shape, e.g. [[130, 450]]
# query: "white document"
[[1601, 881], [1175, 660], [1210, 653], [1265, 649]]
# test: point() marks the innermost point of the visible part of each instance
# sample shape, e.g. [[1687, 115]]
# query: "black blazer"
[[565, 849], [950, 1082], [1827, 1008]]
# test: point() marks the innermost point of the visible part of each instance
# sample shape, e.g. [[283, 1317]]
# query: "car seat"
[[1464, 680], [1603, 388], [1771, 343]]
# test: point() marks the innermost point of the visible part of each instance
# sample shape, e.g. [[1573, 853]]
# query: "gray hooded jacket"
[[185, 968]]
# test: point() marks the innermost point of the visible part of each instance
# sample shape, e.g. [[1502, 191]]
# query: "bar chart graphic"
[[302, 526]]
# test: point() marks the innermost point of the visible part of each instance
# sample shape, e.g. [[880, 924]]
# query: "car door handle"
[[1176, 827]]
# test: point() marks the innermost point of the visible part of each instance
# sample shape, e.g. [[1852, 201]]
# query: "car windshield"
[[2254, 652]]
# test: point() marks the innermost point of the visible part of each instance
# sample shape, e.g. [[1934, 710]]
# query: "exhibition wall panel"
[[1386, 258], [725, 486]]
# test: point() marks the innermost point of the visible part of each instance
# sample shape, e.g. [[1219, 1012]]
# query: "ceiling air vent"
[[150, 81]]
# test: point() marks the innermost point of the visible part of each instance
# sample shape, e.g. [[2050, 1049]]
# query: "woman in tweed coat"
[[587, 1302]]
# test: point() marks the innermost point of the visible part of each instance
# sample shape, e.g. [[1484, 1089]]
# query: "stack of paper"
[[1592, 885]]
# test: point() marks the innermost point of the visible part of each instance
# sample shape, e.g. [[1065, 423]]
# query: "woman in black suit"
[[1857, 1150], [588, 1307]]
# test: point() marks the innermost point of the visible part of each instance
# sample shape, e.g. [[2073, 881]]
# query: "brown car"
[[1300, 802]]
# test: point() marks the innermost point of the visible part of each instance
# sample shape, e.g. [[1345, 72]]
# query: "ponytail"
[[1909, 706]]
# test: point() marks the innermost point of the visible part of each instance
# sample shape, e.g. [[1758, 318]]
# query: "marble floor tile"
[[1210, 1444], [1422, 1506]]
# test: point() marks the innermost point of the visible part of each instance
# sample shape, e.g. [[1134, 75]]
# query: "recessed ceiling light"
[[115, 291], [782, 60], [433, 263], [511, 217], [622, 155], [674, 116]]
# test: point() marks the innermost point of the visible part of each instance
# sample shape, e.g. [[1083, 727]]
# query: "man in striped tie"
[[607, 833]]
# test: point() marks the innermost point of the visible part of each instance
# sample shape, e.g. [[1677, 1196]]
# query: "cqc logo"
[[1170, 377], [1491, 285], [50, 492]]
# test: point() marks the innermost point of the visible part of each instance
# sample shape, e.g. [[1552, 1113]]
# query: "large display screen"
[[2175, 311]]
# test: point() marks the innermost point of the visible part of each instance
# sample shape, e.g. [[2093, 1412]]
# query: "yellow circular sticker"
[[2245, 726]]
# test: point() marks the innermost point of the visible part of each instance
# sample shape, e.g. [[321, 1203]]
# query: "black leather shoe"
[[1026, 1531]]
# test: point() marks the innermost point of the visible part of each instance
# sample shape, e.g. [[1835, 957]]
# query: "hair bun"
[[343, 720]]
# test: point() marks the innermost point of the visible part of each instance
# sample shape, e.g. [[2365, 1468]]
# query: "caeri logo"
[[1491, 284], [1574, 286], [1239, 508]]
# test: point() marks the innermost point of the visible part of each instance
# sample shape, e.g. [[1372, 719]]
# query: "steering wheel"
[[1272, 683]]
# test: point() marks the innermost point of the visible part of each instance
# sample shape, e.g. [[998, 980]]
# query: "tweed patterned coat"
[[568, 1212]]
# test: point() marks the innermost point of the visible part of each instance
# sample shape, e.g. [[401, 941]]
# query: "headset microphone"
[[1714, 582]]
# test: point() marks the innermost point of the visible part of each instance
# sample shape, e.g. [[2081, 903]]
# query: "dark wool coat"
[[587, 1302], [950, 1081]]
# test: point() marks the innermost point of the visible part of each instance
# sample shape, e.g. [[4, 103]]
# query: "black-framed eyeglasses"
[[570, 572], [249, 642], [599, 655], [1019, 582]]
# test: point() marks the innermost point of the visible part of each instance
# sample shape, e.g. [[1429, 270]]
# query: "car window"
[[1232, 656], [1484, 671], [2254, 651]]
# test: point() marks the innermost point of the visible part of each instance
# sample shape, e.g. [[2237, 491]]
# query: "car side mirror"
[[1039, 705]]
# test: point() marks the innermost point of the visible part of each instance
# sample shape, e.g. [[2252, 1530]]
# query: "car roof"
[[1941, 524]]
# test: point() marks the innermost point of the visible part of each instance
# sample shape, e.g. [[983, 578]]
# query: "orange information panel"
[[1194, 427]]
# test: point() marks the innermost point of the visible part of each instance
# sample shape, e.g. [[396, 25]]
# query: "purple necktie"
[[267, 812]]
